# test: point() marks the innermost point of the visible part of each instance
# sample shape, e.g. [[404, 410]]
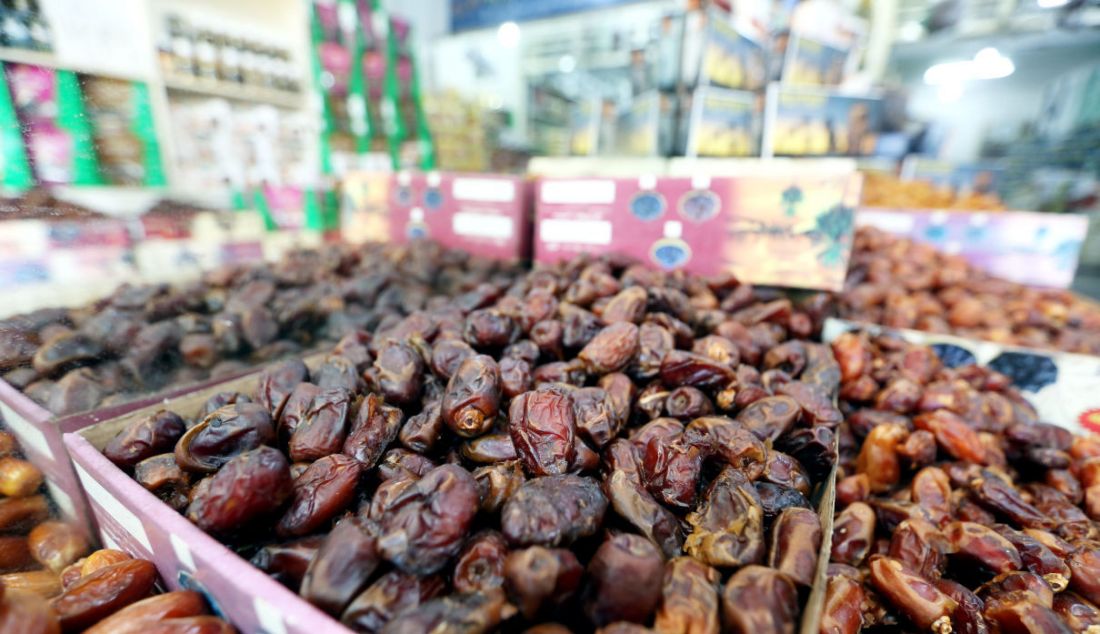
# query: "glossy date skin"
[[155, 434], [553, 510], [247, 488]]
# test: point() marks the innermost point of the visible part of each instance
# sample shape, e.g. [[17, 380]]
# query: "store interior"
[[549, 316]]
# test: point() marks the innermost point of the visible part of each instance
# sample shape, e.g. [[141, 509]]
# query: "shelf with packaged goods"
[[48, 59], [234, 92]]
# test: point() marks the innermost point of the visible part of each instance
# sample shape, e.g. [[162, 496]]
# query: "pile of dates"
[[900, 283], [49, 586], [144, 338], [957, 510], [596, 445]]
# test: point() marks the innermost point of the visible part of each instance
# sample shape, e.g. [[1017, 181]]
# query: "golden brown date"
[[44, 583], [187, 625], [920, 546], [56, 544], [842, 612], [103, 593], [23, 612], [795, 542], [728, 525], [953, 435], [18, 478], [133, 618], [101, 559], [918, 599], [1080, 615], [931, 490], [878, 458], [982, 545], [689, 599], [1085, 566], [853, 534], [757, 599]]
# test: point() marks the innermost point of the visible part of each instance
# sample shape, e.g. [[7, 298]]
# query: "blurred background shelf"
[[249, 94]]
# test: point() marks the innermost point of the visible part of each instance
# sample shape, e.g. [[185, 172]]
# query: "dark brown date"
[[287, 562], [757, 599], [248, 487], [373, 428], [689, 599], [1085, 566], [1037, 558], [536, 577], [474, 613], [402, 463], [337, 372], [686, 403], [472, 399], [480, 565], [162, 476], [490, 448], [967, 616], [779, 468], [612, 349], [425, 523], [1080, 615], [671, 471], [392, 595], [1003, 499], [344, 562], [225, 433], [543, 426], [516, 377], [728, 525], [723, 438], [276, 383], [152, 435], [853, 534], [400, 372], [628, 305], [770, 417], [322, 491], [688, 368], [553, 511], [817, 406], [489, 328], [595, 416], [497, 483], [982, 545], [323, 426], [447, 355], [606, 598], [423, 430]]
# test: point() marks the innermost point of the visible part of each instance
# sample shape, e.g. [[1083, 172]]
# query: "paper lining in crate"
[[1064, 388], [187, 557]]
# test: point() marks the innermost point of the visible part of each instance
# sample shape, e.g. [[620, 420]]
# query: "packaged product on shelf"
[[646, 127], [811, 121], [723, 123], [122, 129], [510, 531], [724, 55], [1040, 249], [888, 191], [792, 227], [823, 45]]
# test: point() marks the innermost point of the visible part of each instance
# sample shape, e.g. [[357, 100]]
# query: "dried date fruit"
[[953, 435], [400, 371], [497, 483], [250, 486], [918, 599], [480, 565], [633, 503], [878, 458], [14, 554], [967, 616], [842, 612], [101, 559], [487, 328], [1037, 558], [455, 614], [24, 612], [689, 599], [542, 425], [1080, 615], [423, 431], [814, 447], [1003, 499], [374, 426], [145, 438], [1085, 566], [722, 438], [594, 415], [133, 618], [56, 544], [757, 599], [779, 468], [401, 463], [337, 373], [728, 524], [624, 556], [776, 498], [553, 510], [323, 426], [612, 349], [671, 471], [490, 448], [392, 595], [44, 583], [795, 542], [770, 417], [103, 593], [1018, 615], [472, 399], [982, 545], [628, 305], [516, 377], [344, 563], [920, 546], [224, 434], [276, 383], [536, 577], [161, 475], [425, 523], [679, 367], [21, 514], [853, 534], [322, 491], [686, 403], [287, 562]]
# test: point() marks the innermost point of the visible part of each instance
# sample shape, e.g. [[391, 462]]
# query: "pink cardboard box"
[[786, 229], [485, 214], [134, 520], [40, 434]]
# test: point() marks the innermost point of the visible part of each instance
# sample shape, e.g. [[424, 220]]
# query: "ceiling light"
[[508, 34]]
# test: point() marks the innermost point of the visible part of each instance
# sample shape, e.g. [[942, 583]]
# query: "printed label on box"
[[793, 230], [1039, 249]]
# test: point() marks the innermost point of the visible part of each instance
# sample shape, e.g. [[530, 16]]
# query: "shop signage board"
[[485, 214], [814, 121], [1040, 249], [724, 123], [1064, 388], [791, 228]]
